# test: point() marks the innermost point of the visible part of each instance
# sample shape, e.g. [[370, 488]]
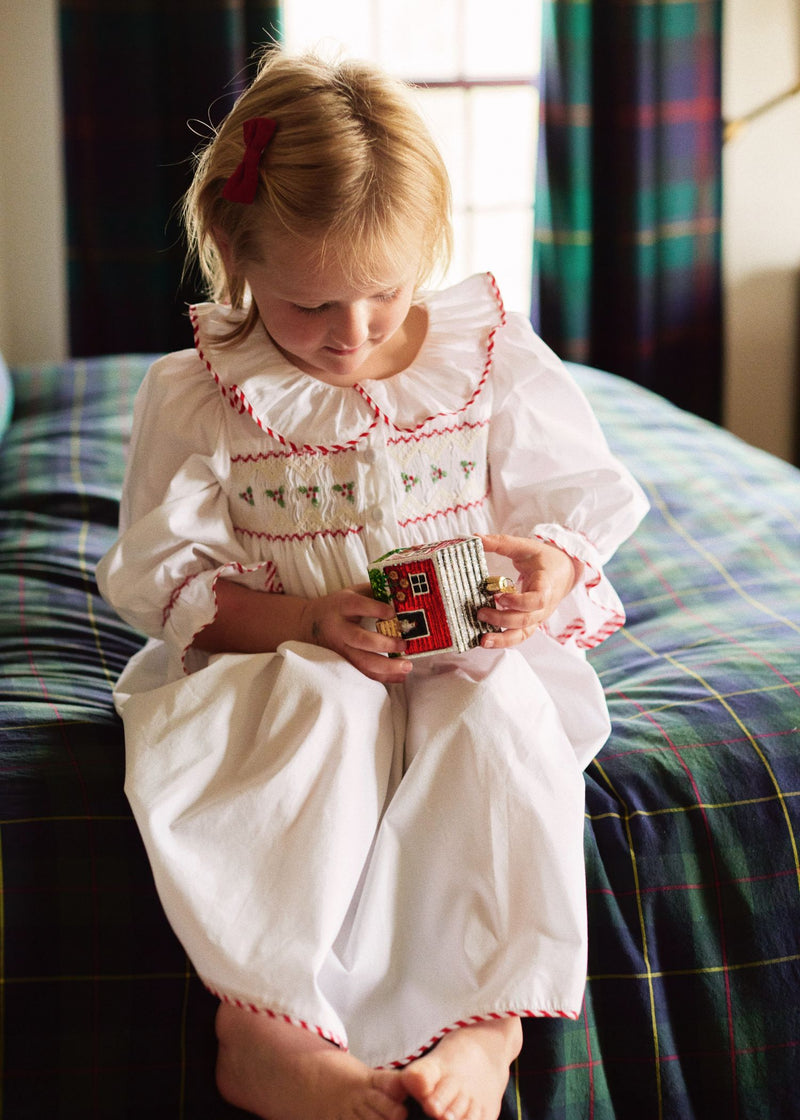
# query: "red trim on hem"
[[474, 1020], [400, 1063], [329, 1036]]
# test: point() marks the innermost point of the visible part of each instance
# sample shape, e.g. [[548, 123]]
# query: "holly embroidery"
[[277, 496], [346, 489], [311, 493], [247, 496], [467, 467], [409, 481], [437, 474]]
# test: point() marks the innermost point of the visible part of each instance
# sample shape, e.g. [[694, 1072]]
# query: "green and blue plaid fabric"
[[627, 247], [693, 807], [692, 819]]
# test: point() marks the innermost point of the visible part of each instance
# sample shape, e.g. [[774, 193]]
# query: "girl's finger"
[[517, 623], [356, 637], [522, 601], [387, 670], [506, 638]]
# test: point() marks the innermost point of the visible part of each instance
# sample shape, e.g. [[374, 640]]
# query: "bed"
[[692, 1007]]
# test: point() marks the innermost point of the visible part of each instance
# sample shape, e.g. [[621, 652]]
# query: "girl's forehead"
[[299, 272]]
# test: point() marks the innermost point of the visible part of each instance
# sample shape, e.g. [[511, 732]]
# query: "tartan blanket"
[[692, 1006]]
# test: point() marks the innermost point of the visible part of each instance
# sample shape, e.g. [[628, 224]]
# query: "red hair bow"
[[242, 185]]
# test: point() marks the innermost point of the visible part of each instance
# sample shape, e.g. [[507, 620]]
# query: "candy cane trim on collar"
[[237, 399]]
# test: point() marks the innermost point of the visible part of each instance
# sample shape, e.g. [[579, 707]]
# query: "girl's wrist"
[[309, 623]]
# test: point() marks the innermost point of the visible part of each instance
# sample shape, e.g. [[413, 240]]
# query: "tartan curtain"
[[627, 248], [135, 73]]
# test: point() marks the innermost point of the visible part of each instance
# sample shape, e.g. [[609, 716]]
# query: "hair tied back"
[[242, 185]]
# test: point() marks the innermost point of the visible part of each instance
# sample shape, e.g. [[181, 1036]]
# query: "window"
[[475, 72], [419, 583]]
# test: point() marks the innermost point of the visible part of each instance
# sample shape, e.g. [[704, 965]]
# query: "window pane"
[[461, 265], [419, 39], [487, 135], [501, 243], [332, 28], [502, 39], [445, 113], [503, 143]]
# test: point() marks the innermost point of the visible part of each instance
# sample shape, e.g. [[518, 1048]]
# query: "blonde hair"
[[352, 170]]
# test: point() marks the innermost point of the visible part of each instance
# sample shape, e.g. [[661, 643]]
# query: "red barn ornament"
[[436, 590]]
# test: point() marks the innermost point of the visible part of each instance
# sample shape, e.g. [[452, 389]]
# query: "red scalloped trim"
[[176, 594], [444, 512], [417, 437], [577, 629], [487, 367], [299, 536], [177, 591], [237, 399], [272, 584], [261, 456]]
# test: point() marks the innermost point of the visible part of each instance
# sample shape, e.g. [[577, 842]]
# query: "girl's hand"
[[334, 622], [545, 576]]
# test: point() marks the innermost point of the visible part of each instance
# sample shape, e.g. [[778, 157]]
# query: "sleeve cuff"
[[193, 606], [592, 611]]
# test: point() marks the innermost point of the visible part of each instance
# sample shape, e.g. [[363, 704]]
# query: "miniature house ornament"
[[436, 590]]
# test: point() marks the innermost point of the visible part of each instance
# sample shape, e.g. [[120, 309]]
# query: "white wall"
[[761, 228], [32, 251]]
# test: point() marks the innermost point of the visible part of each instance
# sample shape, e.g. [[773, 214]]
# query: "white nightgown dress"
[[376, 863]]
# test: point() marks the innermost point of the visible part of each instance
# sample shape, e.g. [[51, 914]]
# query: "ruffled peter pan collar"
[[446, 376]]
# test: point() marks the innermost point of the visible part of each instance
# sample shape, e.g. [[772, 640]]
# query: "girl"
[[376, 867]]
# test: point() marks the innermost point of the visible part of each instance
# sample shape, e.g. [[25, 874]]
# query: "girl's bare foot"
[[465, 1076], [281, 1072]]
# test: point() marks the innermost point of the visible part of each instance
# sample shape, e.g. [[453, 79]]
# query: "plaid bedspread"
[[692, 1008]]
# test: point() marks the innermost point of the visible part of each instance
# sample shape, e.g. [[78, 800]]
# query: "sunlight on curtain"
[[477, 75], [628, 237]]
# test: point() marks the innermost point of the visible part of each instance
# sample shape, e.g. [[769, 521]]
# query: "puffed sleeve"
[[555, 479], [176, 536]]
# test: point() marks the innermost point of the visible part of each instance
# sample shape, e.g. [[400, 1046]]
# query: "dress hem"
[[475, 1020], [245, 1005], [399, 1063]]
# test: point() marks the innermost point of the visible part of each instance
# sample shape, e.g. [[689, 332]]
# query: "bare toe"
[[281, 1072], [385, 1097], [465, 1077], [389, 1083]]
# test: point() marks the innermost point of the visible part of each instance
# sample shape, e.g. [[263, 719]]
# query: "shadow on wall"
[[762, 394]]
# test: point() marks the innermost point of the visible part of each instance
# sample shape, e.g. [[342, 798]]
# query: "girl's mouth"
[[342, 353]]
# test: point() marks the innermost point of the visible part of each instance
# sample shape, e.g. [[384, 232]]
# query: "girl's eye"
[[382, 297], [312, 310]]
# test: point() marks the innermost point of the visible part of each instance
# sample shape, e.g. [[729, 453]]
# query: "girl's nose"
[[351, 327]]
